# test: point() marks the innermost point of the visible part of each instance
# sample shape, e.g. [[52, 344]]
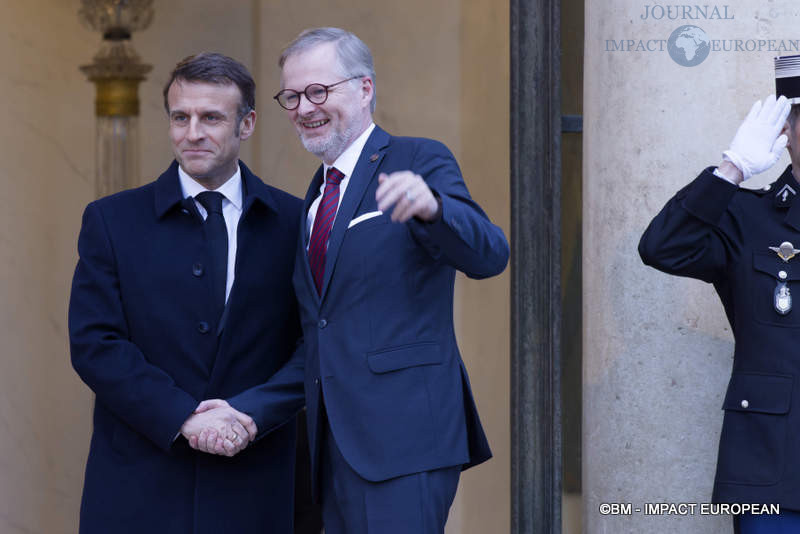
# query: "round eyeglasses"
[[316, 93]]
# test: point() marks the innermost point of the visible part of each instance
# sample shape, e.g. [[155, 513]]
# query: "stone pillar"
[[658, 349], [535, 267]]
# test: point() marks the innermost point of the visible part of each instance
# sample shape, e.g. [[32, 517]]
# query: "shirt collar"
[[346, 162], [231, 189]]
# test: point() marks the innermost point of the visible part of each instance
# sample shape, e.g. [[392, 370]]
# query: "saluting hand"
[[758, 143]]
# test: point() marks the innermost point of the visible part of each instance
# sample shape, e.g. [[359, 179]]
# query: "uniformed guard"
[[745, 241]]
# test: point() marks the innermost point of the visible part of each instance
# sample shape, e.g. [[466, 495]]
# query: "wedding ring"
[[409, 196]]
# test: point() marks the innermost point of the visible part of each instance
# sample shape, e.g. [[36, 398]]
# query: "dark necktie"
[[217, 235], [326, 213]]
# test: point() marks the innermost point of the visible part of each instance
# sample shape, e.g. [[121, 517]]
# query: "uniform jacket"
[[717, 232], [379, 342], [143, 336]]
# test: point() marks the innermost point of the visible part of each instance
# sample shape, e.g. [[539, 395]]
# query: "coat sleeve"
[[141, 394], [695, 234], [277, 400], [463, 236]]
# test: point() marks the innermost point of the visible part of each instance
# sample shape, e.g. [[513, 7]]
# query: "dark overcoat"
[[145, 338]]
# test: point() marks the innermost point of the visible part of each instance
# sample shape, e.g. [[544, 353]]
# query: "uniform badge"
[[784, 192], [785, 251], [783, 298], [784, 196]]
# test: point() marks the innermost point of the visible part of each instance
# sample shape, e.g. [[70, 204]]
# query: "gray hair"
[[354, 56]]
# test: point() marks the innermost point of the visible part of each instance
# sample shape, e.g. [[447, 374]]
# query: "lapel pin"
[[373, 158], [785, 251]]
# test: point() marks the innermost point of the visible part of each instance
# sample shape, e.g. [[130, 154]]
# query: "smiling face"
[[326, 130], [205, 130]]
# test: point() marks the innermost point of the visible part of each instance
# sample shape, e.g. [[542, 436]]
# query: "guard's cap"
[[787, 78]]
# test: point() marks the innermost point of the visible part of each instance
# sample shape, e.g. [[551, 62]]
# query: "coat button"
[[323, 323], [745, 404], [203, 327], [197, 269], [316, 381], [782, 275]]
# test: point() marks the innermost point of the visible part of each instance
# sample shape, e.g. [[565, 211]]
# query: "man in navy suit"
[[386, 223], [182, 293]]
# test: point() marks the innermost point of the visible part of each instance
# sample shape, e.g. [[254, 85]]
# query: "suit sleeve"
[[277, 400], [694, 235], [463, 236], [141, 394]]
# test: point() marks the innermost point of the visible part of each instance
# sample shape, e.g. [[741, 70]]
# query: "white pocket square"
[[364, 217]]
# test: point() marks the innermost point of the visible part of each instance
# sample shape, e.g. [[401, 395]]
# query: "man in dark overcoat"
[[183, 293]]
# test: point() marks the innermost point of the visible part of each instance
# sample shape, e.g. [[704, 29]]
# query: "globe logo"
[[688, 46]]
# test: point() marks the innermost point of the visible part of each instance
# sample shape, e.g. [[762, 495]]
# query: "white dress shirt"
[[720, 175], [345, 163], [231, 211]]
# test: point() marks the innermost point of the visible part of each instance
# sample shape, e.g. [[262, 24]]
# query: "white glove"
[[757, 145]]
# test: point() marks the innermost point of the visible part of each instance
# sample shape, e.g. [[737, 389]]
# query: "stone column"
[[535, 267]]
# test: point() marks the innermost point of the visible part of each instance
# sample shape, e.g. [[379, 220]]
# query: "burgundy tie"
[[326, 213]]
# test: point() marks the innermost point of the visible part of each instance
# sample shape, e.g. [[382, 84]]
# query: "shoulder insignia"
[[784, 195]]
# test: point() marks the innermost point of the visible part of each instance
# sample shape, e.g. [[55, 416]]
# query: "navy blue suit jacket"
[[379, 341], [143, 336]]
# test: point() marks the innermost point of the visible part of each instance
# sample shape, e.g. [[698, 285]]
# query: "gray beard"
[[331, 148]]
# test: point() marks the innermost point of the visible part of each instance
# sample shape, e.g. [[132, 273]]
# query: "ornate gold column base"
[[116, 72], [116, 96]]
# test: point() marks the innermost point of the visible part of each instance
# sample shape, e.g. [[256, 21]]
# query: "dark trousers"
[[410, 504], [307, 513]]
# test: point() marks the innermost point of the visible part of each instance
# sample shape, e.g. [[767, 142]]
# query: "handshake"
[[216, 427]]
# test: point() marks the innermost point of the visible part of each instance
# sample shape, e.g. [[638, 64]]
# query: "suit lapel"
[[363, 174]]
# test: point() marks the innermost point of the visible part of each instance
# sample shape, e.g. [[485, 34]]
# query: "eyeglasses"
[[316, 93]]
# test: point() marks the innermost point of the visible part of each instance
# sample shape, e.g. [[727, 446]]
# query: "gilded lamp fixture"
[[116, 72]]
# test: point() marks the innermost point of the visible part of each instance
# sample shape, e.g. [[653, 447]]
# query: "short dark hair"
[[211, 67]]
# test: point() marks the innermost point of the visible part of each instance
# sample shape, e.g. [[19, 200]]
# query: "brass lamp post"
[[116, 72]]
